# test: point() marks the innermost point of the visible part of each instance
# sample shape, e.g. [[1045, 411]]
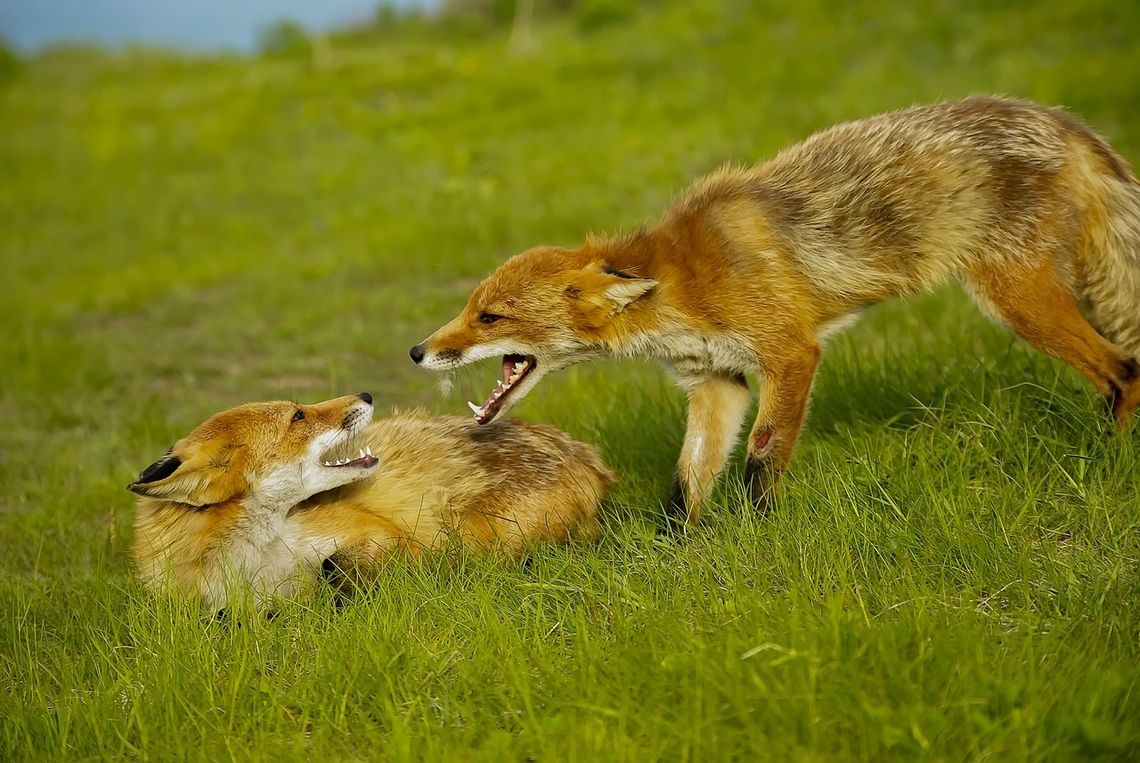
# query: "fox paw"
[[760, 476], [1125, 395], [677, 511]]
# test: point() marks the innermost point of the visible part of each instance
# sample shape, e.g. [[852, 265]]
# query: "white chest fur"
[[268, 559], [264, 552], [693, 353]]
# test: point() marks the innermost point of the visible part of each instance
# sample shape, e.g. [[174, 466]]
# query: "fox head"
[[541, 311], [272, 454]]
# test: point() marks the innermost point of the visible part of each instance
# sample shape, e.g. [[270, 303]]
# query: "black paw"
[[760, 477], [676, 516], [336, 577]]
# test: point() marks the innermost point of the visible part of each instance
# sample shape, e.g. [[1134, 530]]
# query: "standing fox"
[[261, 496], [753, 268]]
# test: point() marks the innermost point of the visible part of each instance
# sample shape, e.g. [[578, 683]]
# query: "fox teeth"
[[361, 453], [368, 450], [474, 408]]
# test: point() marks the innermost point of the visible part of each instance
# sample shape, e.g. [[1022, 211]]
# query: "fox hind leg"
[[1039, 308], [717, 404], [784, 394]]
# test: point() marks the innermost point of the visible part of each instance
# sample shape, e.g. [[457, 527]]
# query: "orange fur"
[[752, 269], [246, 502]]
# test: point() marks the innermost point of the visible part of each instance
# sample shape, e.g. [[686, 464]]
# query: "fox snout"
[[446, 349], [447, 356], [358, 416]]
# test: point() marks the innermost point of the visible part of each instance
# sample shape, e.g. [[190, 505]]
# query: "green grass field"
[[951, 571]]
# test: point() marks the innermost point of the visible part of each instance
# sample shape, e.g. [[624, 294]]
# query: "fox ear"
[[197, 480], [160, 469], [627, 289], [608, 289]]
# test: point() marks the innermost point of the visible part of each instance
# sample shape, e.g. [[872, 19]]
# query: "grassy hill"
[[951, 569]]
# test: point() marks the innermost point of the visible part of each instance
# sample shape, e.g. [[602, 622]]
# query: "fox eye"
[[489, 318], [298, 415]]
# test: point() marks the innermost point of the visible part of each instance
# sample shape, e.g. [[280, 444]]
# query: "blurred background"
[[216, 25], [207, 203], [205, 25]]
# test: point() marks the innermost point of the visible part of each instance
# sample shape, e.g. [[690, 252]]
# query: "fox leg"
[[717, 405], [1033, 302], [785, 390]]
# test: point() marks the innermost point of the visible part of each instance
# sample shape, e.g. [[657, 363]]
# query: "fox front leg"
[[717, 405], [784, 393]]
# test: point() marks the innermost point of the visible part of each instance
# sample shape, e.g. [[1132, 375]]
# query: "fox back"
[[753, 268]]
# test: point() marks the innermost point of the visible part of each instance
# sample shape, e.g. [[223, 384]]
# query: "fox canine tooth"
[[368, 450], [474, 408], [361, 453]]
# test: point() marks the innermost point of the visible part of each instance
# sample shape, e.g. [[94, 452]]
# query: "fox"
[[752, 269], [266, 498]]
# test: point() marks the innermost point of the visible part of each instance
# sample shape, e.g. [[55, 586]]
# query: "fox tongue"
[[508, 371], [492, 401], [513, 369]]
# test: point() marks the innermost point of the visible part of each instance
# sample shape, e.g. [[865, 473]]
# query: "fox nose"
[[417, 353], [365, 397]]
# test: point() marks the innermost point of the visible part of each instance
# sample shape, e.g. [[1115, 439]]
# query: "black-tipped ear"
[[626, 289], [160, 469], [600, 283]]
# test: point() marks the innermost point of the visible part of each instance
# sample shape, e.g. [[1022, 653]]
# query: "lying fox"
[[753, 268], [259, 497]]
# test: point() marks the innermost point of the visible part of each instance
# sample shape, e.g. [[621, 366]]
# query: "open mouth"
[[515, 369], [363, 461], [336, 448]]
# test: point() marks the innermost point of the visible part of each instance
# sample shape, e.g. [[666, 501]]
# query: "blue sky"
[[190, 24]]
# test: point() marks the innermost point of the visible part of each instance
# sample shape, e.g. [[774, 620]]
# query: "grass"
[[950, 572]]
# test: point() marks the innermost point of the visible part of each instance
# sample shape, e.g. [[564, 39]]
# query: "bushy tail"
[[1112, 287]]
